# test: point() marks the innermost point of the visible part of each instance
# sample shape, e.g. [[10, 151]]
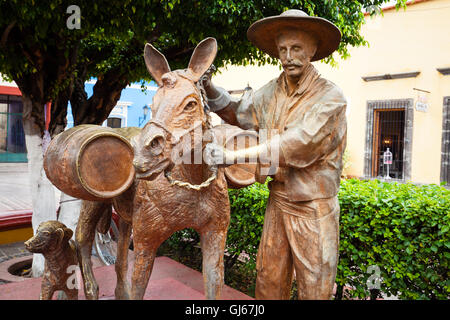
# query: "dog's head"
[[49, 236]]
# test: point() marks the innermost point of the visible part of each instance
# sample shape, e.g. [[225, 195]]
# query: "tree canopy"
[[50, 61]]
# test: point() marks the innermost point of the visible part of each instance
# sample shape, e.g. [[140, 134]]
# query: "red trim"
[[48, 108], [409, 3], [10, 91], [15, 219], [22, 218]]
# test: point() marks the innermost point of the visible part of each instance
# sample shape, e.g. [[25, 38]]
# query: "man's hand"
[[212, 93], [206, 79], [215, 154]]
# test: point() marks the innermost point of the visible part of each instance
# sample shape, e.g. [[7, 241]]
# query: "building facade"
[[12, 137], [398, 87], [398, 92], [132, 110]]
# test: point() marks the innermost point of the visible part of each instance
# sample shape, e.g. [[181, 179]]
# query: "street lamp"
[[145, 112]]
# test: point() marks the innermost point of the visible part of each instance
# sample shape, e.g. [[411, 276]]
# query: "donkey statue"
[[167, 196], [173, 196]]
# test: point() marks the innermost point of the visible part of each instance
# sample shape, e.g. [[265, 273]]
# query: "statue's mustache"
[[295, 63]]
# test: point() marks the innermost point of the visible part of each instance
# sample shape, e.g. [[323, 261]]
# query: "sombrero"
[[263, 32]]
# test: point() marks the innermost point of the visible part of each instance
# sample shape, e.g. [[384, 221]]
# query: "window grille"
[[12, 136], [445, 150], [389, 125], [114, 122]]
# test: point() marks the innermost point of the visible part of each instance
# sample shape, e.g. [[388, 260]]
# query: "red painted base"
[[170, 280]]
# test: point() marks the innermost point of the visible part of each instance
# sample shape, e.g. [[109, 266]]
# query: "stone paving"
[[10, 251], [15, 187], [14, 195], [13, 250]]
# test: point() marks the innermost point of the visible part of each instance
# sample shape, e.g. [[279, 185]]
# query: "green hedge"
[[400, 230], [247, 218]]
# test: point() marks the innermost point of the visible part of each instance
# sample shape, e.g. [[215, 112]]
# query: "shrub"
[[248, 207], [402, 230], [398, 230]]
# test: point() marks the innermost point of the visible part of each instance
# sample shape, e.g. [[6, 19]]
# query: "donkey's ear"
[[202, 58], [156, 63]]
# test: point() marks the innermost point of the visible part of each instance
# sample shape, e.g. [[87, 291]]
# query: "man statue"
[[301, 227]]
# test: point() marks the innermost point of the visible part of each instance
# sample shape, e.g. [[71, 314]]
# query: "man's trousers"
[[300, 236]]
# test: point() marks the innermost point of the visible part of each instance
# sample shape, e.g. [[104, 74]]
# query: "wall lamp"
[[145, 112]]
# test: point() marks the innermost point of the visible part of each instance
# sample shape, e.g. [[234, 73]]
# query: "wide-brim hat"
[[263, 32]]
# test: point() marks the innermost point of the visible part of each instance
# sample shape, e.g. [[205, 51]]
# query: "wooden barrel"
[[90, 162], [238, 175]]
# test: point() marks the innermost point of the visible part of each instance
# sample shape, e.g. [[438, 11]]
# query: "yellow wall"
[[15, 235], [417, 39]]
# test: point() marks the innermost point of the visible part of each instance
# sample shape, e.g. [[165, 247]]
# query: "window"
[[445, 151], [114, 122], [12, 136], [389, 125]]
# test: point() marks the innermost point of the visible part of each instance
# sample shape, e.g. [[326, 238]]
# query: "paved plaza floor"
[[15, 191], [170, 279], [14, 187]]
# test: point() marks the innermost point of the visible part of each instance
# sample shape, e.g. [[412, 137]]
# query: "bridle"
[[212, 168]]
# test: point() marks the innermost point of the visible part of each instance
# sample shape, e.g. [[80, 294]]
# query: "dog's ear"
[[60, 234], [64, 234], [68, 233]]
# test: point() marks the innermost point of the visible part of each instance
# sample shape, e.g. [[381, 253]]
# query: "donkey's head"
[[177, 107]]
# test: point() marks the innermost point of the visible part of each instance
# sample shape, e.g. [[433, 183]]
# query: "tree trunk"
[[69, 211], [42, 191]]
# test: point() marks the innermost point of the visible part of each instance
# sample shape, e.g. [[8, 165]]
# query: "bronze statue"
[[167, 196], [96, 216], [52, 239], [172, 196], [307, 112]]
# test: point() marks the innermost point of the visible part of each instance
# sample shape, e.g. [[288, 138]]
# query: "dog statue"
[[52, 239]]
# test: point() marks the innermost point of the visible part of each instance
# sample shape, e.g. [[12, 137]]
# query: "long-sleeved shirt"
[[312, 130]]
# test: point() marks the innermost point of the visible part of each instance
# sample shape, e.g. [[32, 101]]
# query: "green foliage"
[[401, 228], [173, 26], [47, 59], [38, 37], [248, 207]]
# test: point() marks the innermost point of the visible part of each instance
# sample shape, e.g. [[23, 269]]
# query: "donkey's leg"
[[213, 247], [90, 214], [122, 288], [143, 266], [123, 204]]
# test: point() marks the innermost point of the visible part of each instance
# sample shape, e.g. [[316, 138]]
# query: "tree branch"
[[6, 33]]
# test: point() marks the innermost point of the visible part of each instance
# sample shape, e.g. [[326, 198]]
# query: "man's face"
[[295, 49]]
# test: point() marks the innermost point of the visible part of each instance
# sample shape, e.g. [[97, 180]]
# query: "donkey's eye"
[[191, 105]]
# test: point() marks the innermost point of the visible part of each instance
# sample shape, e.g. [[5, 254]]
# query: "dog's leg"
[[89, 216], [47, 290], [72, 294], [122, 291], [213, 247]]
